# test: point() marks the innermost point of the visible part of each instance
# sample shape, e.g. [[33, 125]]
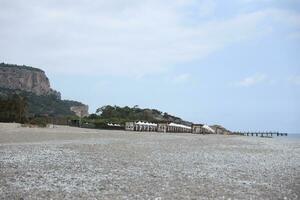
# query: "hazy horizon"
[[233, 63]]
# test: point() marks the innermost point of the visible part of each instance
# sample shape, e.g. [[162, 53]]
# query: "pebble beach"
[[73, 163]]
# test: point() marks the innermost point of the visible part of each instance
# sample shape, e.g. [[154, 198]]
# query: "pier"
[[261, 134]]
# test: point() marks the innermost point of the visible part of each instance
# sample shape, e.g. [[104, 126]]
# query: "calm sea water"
[[291, 136]]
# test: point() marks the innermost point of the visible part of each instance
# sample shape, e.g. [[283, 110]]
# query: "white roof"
[[180, 125], [208, 128], [111, 124], [146, 123]]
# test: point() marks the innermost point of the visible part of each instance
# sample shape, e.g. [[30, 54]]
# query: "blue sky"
[[234, 63]]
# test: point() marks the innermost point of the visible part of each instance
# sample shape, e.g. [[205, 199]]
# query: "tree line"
[[26, 108], [13, 109], [120, 115]]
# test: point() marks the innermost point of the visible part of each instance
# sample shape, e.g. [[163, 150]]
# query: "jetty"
[[262, 134]]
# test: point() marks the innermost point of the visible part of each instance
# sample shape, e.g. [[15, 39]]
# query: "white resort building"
[[202, 129], [140, 126], [161, 127], [174, 128]]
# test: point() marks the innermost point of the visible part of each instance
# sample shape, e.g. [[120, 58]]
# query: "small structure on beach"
[[161, 127], [198, 129], [113, 125], [178, 128], [208, 129], [140, 126], [220, 130], [202, 129], [173, 128], [129, 126]]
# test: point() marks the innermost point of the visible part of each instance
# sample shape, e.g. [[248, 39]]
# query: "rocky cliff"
[[33, 85], [80, 111], [25, 78]]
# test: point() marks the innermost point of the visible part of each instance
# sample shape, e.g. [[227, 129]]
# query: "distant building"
[[208, 129], [198, 129], [162, 127], [140, 126], [129, 126], [174, 128], [168, 127], [202, 129], [221, 130], [178, 128], [113, 125]]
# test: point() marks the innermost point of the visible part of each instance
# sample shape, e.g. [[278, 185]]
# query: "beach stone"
[[74, 163]]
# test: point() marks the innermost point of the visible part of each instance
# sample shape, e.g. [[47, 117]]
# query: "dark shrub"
[[39, 121]]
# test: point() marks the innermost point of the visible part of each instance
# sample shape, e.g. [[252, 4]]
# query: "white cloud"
[[121, 37], [252, 80], [181, 78]]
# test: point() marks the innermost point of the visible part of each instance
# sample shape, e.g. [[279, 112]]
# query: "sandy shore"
[[73, 163]]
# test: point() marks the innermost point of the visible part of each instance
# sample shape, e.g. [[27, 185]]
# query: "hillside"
[[45, 105], [121, 115], [33, 86]]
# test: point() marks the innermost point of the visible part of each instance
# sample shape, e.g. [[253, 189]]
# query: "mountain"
[[33, 85]]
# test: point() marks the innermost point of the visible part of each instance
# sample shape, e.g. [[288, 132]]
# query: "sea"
[[290, 136]]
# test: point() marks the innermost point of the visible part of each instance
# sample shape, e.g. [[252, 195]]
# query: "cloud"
[[181, 78], [252, 80], [295, 80], [131, 38]]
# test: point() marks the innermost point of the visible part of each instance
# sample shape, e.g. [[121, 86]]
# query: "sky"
[[234, 62]]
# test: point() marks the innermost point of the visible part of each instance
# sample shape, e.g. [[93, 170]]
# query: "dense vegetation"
[[120, 115], [13, 109], [43, 105]]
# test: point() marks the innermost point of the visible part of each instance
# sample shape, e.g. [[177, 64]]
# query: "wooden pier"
[[261, 134]]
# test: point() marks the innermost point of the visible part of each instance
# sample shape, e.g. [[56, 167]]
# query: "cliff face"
[[33, 84], [80, 111], [25, 78]]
